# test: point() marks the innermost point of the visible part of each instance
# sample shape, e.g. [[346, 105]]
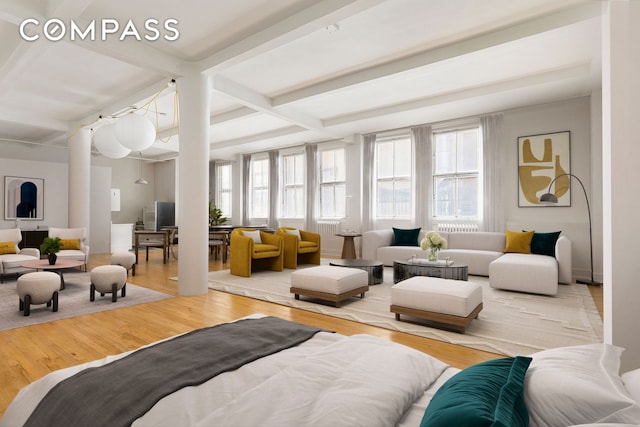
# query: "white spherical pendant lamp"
[[107, 144], [135, 132]]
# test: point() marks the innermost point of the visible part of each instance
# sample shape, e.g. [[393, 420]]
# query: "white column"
[[620, 158], [80, 179], [193, 183]]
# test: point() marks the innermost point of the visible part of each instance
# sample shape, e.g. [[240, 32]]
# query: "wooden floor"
[[27, 354]]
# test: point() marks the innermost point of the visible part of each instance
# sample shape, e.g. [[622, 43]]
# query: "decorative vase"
[[432, 253], [52, 259]]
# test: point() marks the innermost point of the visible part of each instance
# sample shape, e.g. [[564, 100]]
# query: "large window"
[[223, 190], [260, 187], [456, 166], [393, 177], [293, 185], [332, 183]]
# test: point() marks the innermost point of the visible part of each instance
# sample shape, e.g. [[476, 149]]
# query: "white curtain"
[[311, 214], [493, 165], [274, 188], [423, 161], [368, 157], [245, 190]]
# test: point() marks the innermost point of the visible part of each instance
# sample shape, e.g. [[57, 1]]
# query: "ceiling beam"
[[12, 115], [548, 22], [319, 15], [264, 136], [16, 11], [467, 93]]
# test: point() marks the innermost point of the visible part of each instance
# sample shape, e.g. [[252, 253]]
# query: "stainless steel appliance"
[[159, 214]]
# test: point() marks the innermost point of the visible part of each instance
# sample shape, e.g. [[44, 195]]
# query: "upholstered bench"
[[108, 279], [532, 273], [125, 259], [329, 283], [449, 304], [38, 288]]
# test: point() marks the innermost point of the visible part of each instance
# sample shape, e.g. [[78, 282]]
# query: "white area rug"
[[72, 301], [511, 323]]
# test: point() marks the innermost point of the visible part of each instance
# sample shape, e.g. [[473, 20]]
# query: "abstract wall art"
[[541, 158], [23, 198]]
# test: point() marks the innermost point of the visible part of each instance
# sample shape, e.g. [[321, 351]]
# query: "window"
[[222, 192], [456, 165], [332, 183], [259, 187], [293, 185], [393, 177]]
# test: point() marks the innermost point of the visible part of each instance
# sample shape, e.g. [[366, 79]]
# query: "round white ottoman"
[[451, 304], [329, 283], [38, 288], [108, 279], [125, 259]]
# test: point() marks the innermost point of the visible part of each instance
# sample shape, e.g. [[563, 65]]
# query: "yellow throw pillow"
[[70, 244], [519, 242], [7, 248]]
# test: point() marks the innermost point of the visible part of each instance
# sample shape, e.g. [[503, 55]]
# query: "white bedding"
[[330, 380]]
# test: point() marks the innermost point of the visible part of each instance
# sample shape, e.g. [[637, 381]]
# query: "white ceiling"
[[281, 78]]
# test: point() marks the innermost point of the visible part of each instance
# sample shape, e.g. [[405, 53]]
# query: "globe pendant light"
[[107, 144], [135, 132]]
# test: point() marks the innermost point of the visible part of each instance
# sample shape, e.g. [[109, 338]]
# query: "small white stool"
[[38, 288], [449, 303], [329, 283], [125, 259], [108, 279]]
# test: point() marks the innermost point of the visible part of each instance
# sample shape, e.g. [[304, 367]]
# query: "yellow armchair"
[[303, 250], [247, 255]]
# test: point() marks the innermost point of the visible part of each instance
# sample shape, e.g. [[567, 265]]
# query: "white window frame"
[[334, 184], [264, 159], [396, 177], [297, 186], [226, 168], [458, 175]]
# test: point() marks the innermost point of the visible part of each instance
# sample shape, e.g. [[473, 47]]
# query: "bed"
[[238, 374]]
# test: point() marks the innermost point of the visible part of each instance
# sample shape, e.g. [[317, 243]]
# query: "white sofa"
[[528, 273], [79, 234], [10, 263]]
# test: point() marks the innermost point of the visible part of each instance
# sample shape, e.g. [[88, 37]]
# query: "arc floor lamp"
[[549, 198]]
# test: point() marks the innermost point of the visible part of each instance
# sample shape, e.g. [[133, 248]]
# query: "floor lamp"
[[549, 197]]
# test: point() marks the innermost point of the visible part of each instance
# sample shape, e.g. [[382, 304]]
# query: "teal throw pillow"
[[486, 394], [544, 243], [405, 237]]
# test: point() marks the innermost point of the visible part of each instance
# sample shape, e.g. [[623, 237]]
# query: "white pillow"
[[631, 381], [255, 235], [295, 232], [578, 385]]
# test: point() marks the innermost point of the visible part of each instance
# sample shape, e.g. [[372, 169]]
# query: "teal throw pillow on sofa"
[[544, 243], [405, 237], [486, 394]]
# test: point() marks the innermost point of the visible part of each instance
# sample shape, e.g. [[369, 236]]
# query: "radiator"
[[328, 228], [451, 227]]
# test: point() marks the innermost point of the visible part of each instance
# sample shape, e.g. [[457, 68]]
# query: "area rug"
[[72, 301], [511, 323]]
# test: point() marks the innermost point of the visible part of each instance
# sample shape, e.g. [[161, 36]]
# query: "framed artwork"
[[23, 198], [541, 158]]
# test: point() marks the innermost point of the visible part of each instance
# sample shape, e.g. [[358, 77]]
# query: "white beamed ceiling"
[[280, 78]]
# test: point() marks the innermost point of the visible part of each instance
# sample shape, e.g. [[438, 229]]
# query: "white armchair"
[[11, 257], [73, 246]]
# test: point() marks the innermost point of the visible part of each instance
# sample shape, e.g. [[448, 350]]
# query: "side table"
[[374, 269], [348, 246]]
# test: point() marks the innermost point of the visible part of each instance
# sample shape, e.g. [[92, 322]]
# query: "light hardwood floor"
[[29, 353]]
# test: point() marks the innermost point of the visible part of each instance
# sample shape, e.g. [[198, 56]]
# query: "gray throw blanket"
[[118, 393]]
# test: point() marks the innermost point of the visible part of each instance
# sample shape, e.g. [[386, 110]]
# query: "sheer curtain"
[[274, 188], [311, 214], [421, 136], [368, 154], [245, 191], [493, 165]]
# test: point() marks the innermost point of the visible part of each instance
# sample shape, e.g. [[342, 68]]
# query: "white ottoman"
[[108, 279], [329, 283], [537, 274], [38, 288], [125, 259], [451, 304]]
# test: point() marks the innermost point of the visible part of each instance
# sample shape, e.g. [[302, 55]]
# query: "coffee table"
[[373, 268], [404, 269], [61, 264]]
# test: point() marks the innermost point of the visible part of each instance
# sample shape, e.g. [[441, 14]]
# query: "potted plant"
[[51, 246], [215, 215]]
